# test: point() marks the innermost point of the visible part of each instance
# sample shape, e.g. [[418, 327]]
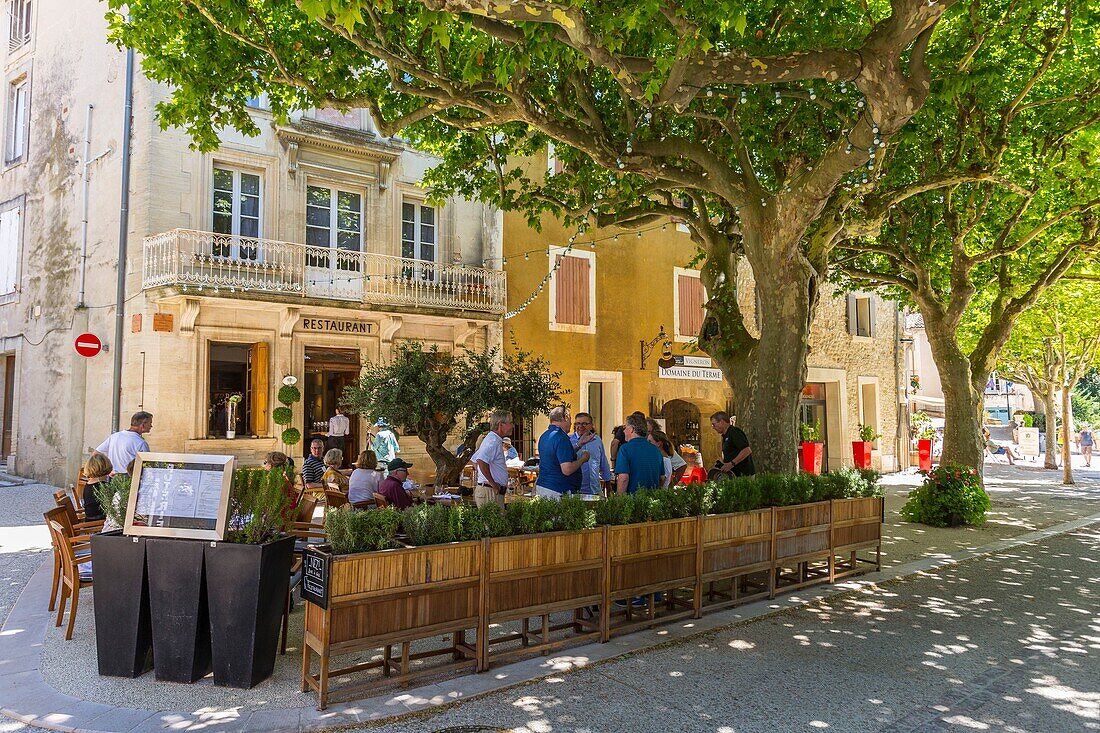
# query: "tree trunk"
[[767, 374], [1067, 420], [448, 466], [963, 442], [1050, 415]]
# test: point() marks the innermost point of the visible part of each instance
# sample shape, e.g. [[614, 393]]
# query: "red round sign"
[[88, 344]]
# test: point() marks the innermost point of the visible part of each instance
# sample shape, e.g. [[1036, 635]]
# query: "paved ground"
[[679, 682], [1009, 642]]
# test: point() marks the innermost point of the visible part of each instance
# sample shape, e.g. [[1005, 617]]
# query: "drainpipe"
[[85, 182], [898, 394], [123, 234]]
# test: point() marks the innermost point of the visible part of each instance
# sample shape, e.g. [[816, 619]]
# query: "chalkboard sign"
[[180, 495], [315, 574]]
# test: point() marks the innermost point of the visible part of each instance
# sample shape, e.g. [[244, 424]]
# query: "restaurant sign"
[[693, 361], [696, 373], [316, 566], [336, 325]]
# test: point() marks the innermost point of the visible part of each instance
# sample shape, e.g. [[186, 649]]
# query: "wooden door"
[[258, 388]]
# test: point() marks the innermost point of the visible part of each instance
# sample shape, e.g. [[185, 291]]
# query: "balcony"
[[219, 262]]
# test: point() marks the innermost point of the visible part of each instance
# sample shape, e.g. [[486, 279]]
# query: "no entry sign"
[[88, 344]]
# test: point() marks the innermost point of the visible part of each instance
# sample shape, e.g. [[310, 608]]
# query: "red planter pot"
[[924, 454], [861, 452], [811, 457]]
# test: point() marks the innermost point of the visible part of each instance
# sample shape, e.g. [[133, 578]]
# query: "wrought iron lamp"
[[647, 347]]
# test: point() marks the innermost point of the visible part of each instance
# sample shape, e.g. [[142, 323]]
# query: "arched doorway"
[[688, 423]]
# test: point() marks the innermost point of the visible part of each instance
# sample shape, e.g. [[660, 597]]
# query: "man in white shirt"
[[490, 468], [123, 446]]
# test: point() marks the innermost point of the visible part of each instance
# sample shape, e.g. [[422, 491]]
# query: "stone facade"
[[193, 298]]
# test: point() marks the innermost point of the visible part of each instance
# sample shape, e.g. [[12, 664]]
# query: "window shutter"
[[9, 250], [851, 314], [691, 312], [872, 307], [571, 291], [258, 388]]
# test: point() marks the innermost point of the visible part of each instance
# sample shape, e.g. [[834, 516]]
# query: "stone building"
[[300, 253], [600, 316]]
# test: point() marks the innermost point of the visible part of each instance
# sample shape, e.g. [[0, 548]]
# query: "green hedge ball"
[[289, 394], [291, 436], [282, 415]]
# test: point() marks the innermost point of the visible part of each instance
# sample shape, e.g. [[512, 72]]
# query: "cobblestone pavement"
[[1007, 642], [24, 540]]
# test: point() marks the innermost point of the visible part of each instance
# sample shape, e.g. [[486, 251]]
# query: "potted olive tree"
[[861, 449], [123, 633], [812, 447], [247, 578]]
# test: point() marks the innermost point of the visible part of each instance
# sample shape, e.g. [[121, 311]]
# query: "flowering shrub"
[[949, 497]]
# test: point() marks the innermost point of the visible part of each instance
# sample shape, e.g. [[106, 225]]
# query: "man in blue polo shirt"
[[559, 462], [638, 464]]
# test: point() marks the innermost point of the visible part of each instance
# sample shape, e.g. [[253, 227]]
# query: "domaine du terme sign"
[[180, 495], [688, 372], [336, 325]]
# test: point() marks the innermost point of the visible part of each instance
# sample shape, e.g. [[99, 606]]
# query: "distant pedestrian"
[[490, 465], [123, 446], [736, 452], [385, 446], [559, 462], [639, 464], [1086, 440]]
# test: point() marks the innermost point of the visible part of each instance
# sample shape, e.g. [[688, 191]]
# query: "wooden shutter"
[[258, 381], [872, 319], [571, 291], [851, 314], [690, 315]]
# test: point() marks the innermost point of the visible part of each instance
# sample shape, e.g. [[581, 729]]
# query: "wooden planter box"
[[735, 546], [379, 599], [535, 576], [856, 525], [802, 542], [643, 559]]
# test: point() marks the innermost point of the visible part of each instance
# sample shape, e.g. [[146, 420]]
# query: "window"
[[334, 220], [18, 100], [259, 102], [418, 237], [19, 30], [10, 237], [236, 212], [554, 166], [572, 291], [861, 315], [238, 369], [353, 118], [689, 300], [868, 404]]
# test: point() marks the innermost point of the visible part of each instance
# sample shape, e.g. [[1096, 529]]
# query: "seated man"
[[998, 450], [393, 486]]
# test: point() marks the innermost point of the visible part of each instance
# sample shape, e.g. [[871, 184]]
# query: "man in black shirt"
[[736, 453]]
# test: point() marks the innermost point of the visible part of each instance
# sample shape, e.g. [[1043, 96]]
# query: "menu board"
[[180, 495], [315, 574], [1029, 441]]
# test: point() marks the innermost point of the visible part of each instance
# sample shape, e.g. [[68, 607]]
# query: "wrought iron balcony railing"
[[221, 262]]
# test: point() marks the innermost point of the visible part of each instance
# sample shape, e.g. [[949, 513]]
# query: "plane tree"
[[742, 119], [1010, 131]]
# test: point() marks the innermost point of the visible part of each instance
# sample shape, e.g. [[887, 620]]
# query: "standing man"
[[339, 428], [489, 462], [123, 446], [639, 464], [313, 467], [598, 467], [386, 446], [736, 453], [559, 463], [1085, 441]]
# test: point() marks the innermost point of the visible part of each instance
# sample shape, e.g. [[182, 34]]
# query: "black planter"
[[177, 602], [123, 636], [247, 587]]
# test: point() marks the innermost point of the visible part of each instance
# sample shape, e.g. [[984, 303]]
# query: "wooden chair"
[[72, 577], [75, 520], [335, 498], [380, 501], [306, 506], [78, 490]]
